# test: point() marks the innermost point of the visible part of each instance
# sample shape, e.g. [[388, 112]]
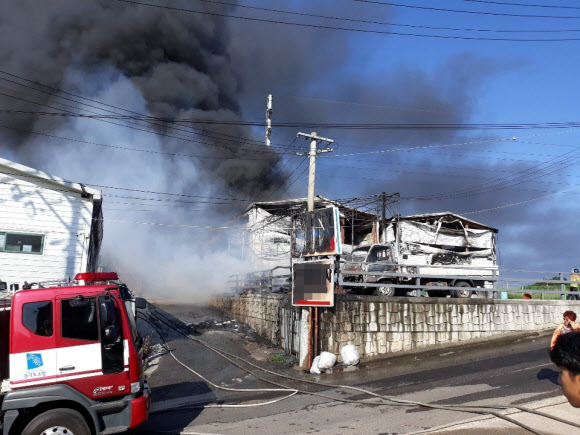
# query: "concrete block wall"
[[260, 312], [378, 325]]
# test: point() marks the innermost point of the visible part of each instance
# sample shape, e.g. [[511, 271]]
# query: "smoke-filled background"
[[71, 57]]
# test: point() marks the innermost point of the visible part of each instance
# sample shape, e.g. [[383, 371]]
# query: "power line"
[[231, 200], [285, 180], [347, 29], [520, 202], [273, 166], [559, 163], [57, 91], [447, 173], [353, 126], [478, 141], [550, 6], [384, 23], [158, 224], [106, 118], [52, 136], [295, 180], [461, 11]]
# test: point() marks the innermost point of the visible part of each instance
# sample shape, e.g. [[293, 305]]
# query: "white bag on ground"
[[326, 360], [314, 369], [349, 354]]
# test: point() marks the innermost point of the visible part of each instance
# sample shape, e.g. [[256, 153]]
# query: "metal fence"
[[263, 281], [418, 279]]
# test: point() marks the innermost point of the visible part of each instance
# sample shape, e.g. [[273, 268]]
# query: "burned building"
[[266, 239]]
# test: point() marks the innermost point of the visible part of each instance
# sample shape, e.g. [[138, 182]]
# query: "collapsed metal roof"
[[450, 217], [292, 206]]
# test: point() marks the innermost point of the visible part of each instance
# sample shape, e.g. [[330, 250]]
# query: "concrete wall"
[[378, 325]]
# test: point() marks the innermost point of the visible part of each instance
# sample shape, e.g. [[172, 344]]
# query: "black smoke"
[[180, 63]]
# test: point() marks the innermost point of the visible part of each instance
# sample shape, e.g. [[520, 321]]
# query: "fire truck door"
[[80, 350]]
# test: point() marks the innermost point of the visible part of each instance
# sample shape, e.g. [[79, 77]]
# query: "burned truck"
[[433, 252]]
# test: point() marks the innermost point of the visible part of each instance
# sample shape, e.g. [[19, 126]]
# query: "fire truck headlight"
[[135, 387]]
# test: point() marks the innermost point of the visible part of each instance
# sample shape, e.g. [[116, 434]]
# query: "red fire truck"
[[71, 360]]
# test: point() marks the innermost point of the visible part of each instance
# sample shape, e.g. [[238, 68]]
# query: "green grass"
[[541, 296]]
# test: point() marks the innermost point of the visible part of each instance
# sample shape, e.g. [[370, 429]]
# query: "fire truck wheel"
[[60, 421]]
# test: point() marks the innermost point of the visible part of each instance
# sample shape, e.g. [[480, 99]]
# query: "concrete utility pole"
[[313, 153], [268, 120], [384, 217], [308, 343]]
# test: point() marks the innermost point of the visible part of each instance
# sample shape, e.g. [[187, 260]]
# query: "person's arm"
[[555, 336]]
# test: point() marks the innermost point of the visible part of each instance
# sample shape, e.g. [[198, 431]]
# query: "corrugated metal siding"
[[29, 205]]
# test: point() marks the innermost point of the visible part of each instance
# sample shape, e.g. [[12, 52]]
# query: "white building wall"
[[268, 240], [30, 205]]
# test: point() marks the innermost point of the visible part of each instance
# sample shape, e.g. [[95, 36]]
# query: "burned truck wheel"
[[384, 290], [57, 421], [462, 294]]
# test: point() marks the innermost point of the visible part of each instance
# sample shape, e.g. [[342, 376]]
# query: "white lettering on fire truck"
[[102, 391]]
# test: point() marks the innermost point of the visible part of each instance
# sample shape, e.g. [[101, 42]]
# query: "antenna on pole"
[[268, 120]]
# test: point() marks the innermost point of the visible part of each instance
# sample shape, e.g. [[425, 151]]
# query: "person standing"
[[574, 281], [569, 324]]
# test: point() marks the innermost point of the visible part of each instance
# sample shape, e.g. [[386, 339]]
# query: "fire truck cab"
[[71, 360]]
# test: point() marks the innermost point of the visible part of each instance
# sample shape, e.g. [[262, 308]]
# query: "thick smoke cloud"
[[179, 64]]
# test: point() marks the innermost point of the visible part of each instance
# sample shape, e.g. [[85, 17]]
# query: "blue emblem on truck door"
[[33, 361]]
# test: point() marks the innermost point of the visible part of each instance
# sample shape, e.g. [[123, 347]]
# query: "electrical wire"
[[383, 23], [347, 29], [550, 6], [285, 180], [138, 127], [56, 92], [290, 147], [352, 126], [122, 148], [520, 202], [500, 14], [519, 177]]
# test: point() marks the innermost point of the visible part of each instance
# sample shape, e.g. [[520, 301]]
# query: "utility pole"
[[309, 348], [268, 120], [384, 216], [313, 153]]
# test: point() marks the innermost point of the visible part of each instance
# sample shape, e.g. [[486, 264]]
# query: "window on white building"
[[21, 243]]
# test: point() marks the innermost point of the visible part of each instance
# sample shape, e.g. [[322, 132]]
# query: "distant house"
[[50, 228]]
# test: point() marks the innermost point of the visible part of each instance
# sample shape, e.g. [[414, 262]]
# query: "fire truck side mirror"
[[140, 303]]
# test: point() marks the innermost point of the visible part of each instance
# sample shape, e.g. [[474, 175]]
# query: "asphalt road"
[[513, 370]]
